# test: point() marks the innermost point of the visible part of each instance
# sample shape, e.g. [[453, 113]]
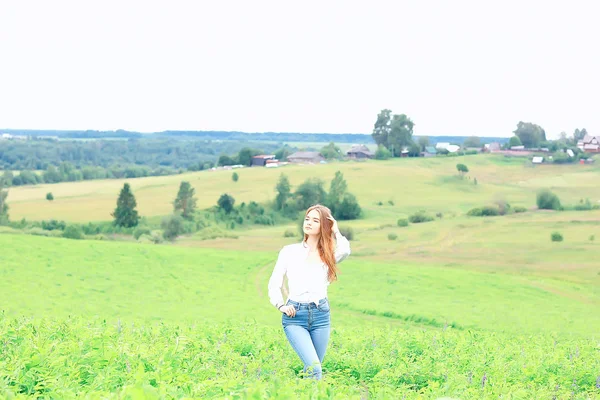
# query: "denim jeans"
[[308, 333]]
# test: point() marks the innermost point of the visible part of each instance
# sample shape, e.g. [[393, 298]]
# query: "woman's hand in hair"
[[334, 227], [290, 311]]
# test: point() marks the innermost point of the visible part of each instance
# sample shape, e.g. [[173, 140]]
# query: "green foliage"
[[331, 152], [73, 232], [348, 208], [519, 209], [531, 135], [402, 222], [141, 230], [245, 156], [393, 131], [283, 153], [337, 190], [382, 153], [49, 196], [226, 203], [392, 236], [472, 141], [419, 217], [289, 233], [423, 142], [462, 168], [125, 215], [585, 205], [173, 226], [486, 211], [283, 189], [309, 193], [556, 237], [53, 225], [546, 200], [4, 217], [235, 177], [185, 202], [514, 141], [347, 232]]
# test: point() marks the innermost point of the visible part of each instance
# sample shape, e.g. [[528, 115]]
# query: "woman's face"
[[312, 223]]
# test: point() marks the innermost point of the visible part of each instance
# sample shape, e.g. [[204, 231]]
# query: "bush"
[[172, 226], [420, 217], [289, 233], [226, 202], [592, 238], [556, 237], [53, 225], [348, 208], [546, 200], [73, 232], [49, 196], [347, 232], [392, 236], [141, 230], [487, 211], [402, 222], [264, 220], [519, 209], [235, 177], [585, 205]]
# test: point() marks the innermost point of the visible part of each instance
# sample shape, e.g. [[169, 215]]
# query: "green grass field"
[[464, 307]]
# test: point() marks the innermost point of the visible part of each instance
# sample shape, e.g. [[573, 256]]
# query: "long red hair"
[[325, 245]]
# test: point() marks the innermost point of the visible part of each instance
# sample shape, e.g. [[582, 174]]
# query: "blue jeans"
[[308, 333]]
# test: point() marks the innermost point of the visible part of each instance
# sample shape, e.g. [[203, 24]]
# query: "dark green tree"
[[283, 189], [235, 177], [331, 152], [226, 203], [3, 205], [462, 169], [336, 193], [348, 208], [309, 193], [393, 131], [245, 155], [531, 135], [514, 141], [472, 141], [49, 196], [125, 214], [423, 142], [185, 202]]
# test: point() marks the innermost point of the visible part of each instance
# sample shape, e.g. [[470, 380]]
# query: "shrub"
[[585, 205], [592, 238], [475, 212], [347, 232], [73, 232], [391, 202], [392, 236], [264, 220], [519, 209], [556, 237], [173, 226], [402, 222], [235, 177], [49, 196], [348, 208], [226, 202], [420, 217], [487, 211], [546, 200], [289, 233], [141, 230], [53, 225]]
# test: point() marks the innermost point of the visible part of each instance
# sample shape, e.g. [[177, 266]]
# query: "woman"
[[310, 267]]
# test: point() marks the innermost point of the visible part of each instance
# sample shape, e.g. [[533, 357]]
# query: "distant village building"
[[492, 147], [262, 160], [6, 136], [590, 144], [306, 157], [359, 151]]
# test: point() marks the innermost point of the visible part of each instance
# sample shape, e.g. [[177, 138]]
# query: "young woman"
[[310, 267]]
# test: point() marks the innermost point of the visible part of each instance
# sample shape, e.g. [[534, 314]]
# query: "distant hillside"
[[233, 135]]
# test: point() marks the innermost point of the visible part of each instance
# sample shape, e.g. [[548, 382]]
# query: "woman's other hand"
[[290, 311]]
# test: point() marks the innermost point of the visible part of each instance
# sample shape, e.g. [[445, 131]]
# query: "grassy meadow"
[[461, 307]]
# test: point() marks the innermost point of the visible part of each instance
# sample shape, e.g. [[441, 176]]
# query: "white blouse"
[[307, 281]]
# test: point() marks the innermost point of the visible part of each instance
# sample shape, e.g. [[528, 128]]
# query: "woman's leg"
[[320, 339], [302, 343]]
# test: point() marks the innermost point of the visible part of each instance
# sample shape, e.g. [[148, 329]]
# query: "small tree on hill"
[[226, 202], [283, 192], [235, 177], [185, 201], [462, 169], [49, 196], [382, 153], [336, 194], [309, 193], [3, 205], [125, 214], [514, 141], [331, 152]]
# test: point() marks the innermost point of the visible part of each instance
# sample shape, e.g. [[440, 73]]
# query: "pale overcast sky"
[[454, 67]]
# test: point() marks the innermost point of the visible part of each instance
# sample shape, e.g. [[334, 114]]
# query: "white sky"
[[454, 67]]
